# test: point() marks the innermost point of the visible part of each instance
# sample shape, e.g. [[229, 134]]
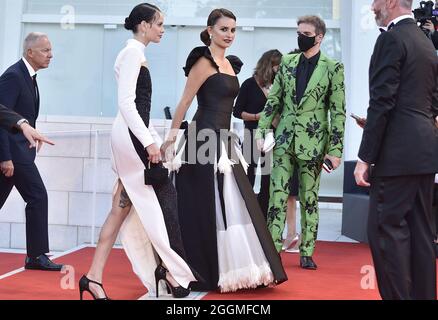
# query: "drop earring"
[[211, 36]]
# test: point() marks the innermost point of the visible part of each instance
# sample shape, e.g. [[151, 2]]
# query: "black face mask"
[[305, 43]]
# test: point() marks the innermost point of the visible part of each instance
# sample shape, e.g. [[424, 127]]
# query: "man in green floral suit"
[[309, 96]]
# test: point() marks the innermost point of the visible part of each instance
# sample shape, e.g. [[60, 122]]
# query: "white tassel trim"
[[224, 164], [249, 277]]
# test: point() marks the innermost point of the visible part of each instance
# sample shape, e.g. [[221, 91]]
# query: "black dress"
[[252, 99], [165, 192], [224, 233]]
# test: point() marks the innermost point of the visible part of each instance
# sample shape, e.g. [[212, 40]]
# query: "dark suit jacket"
[[17, 92], [8, 118], [400, 137]]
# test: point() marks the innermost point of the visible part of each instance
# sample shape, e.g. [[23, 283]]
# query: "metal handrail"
[[95, 165]]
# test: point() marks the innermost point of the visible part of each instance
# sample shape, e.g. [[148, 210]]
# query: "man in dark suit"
[[19, 92], [400, 144], [15, 123]]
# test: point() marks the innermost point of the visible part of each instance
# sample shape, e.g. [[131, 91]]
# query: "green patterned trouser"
[[309, 173]]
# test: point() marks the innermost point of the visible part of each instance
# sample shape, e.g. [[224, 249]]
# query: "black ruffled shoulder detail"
[[195, 55], [236, 63], [204, 51]]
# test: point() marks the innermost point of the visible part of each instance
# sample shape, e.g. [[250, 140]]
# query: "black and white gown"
[[151, 227], [224, 233]]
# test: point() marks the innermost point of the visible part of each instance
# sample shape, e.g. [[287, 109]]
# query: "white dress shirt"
[[29, 67]]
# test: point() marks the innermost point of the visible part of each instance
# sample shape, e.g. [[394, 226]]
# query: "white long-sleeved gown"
[[144, 232]]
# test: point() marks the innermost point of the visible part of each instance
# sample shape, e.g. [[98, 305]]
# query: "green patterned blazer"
[[316, 125]]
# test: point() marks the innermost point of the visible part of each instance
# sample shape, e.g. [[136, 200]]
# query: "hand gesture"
[[154, 153], [336, 162], [168, 150], [361, 122], [35, 138], [361, 174], [429, 26], [260, 144], [7, 168]]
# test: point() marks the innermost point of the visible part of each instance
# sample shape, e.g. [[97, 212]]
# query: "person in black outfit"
[[249, 104], [435, 213], [400, 144], [19, 92], [433, 33], [432, 30]]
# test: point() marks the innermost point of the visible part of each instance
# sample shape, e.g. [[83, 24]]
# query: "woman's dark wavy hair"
[[214, 16], [263, 71], [142, 12]]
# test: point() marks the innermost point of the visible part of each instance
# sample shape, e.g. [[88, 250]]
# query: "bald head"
[[37, 50]]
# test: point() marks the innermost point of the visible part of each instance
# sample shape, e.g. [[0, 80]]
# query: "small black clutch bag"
[[155, 174]]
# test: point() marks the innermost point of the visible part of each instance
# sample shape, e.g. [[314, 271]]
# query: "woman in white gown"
[[146, 216]]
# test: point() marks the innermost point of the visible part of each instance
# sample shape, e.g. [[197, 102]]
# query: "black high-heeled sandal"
[[177, 292], [84, 285]]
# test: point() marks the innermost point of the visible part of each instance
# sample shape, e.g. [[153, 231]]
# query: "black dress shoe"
[[308, 263], [41, 263]]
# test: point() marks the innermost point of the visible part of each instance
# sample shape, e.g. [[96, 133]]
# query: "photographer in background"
[[427, 16], [433, 35], [433, 32]]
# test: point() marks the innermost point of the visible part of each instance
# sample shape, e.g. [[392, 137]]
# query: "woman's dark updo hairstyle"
[[143, 12], [214, 16]]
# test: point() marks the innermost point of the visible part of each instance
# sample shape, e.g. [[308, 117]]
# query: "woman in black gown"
[[223, 229]]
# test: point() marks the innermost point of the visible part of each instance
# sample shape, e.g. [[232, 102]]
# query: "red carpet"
[[337, 278], [10, 262], [120, 281]]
